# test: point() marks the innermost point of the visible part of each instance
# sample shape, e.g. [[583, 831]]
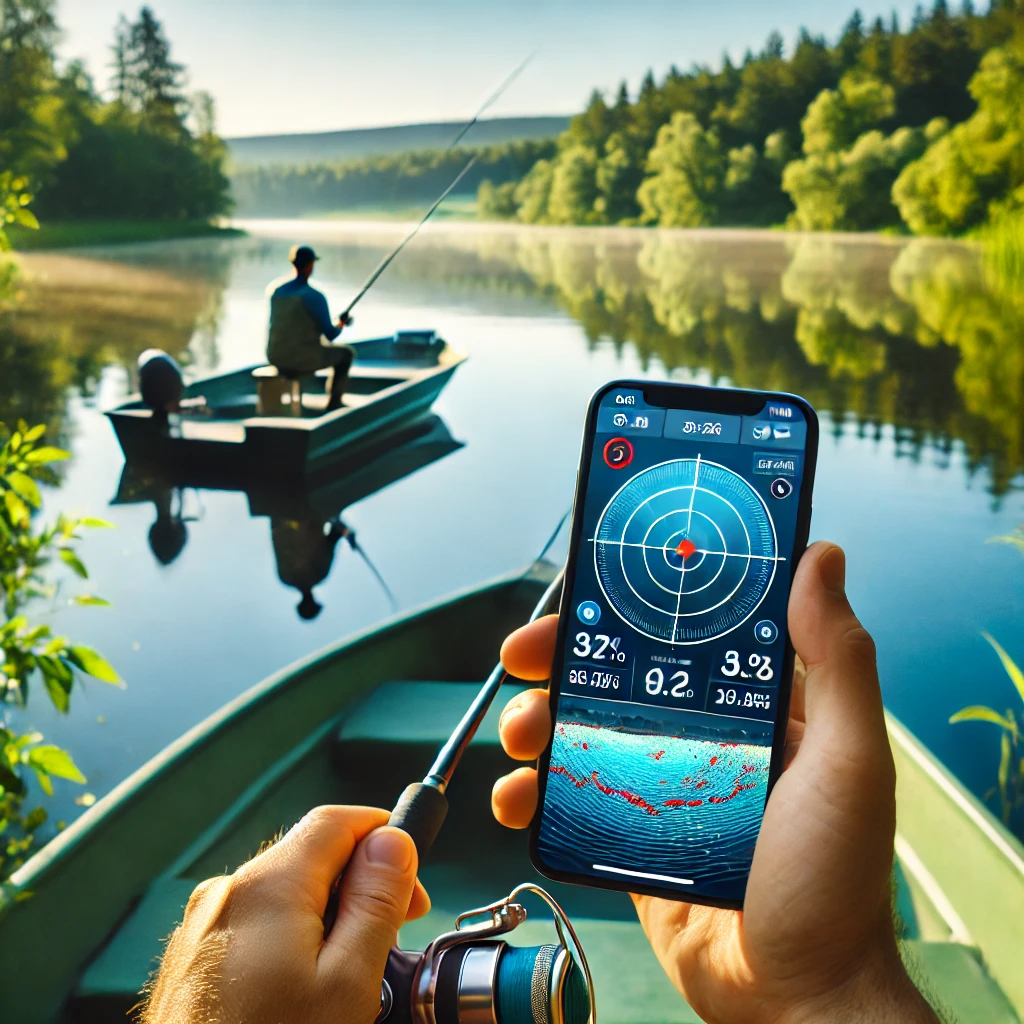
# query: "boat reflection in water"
[[305, 512]]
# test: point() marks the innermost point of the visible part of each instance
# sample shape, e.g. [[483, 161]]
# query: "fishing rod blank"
[[490, 101], [423, 806], [382, 266]]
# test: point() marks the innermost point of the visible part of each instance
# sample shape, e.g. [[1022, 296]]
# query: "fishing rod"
[[382, 266], [358, 549], [471, 973], [490, 101]]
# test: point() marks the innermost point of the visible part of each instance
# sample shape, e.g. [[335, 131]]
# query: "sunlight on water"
[[915, 362]]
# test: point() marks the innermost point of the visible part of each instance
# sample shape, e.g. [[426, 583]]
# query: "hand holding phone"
[[671, 670], [816, 940]]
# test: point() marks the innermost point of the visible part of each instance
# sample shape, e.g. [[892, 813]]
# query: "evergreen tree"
[[121, 83], [155, 81]]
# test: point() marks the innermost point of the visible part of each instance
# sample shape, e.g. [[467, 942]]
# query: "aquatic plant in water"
[[1010, 777], [29, 651]]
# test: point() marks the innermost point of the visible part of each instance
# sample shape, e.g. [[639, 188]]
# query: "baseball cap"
[[300, 255]]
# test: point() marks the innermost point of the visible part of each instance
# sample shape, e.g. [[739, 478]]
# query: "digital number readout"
[[741, 684]]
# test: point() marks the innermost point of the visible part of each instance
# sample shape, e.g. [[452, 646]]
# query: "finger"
[[525, 725], [419, 905], [527, 653], [514, 798], [376, 896], [796, 696], [842, 697], [314, 853]]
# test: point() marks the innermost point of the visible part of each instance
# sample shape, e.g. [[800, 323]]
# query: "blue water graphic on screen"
[[660, 761]]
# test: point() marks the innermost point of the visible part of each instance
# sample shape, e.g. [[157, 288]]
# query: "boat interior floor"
[[367, 756]]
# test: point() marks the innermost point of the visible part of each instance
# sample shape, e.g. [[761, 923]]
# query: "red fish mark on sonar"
[[632, 798]]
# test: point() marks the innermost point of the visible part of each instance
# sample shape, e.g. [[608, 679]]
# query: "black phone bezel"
[[726, 401]]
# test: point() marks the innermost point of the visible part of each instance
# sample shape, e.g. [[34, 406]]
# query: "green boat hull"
[[356, 723], [390, 385]]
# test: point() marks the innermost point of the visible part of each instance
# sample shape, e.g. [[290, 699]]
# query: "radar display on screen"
[[685, 551]]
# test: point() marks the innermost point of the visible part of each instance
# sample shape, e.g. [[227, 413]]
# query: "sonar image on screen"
[[659, 766]]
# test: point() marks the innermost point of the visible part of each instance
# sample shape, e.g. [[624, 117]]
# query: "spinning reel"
[[472, 976]]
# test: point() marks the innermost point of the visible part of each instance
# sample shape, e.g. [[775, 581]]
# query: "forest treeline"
[[915, 128], [887, 128], [418, 176], [144, 151]]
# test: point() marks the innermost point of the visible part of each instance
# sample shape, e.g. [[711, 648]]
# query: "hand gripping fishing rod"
[[471, 975], [383, 265]]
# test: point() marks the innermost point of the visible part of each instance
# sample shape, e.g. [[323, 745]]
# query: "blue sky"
[[320, 65]]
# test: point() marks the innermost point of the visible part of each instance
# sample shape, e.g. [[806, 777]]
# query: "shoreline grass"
[[80, 233]]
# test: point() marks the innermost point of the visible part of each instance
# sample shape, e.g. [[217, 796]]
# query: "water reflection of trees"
[[909, 334], [881, 332], [75, 317]]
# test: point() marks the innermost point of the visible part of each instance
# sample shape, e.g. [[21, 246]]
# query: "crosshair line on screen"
[[696, 551]]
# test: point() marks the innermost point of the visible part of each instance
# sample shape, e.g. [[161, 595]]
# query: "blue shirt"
[[299, 319]]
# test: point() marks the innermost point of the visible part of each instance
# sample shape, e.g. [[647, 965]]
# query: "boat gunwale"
[[86, 828], [981, 817]]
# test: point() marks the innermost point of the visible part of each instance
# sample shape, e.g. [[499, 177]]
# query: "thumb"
[[376, 890], [842, 693]]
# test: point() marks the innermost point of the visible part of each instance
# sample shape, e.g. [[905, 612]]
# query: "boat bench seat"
[[272, 385], [421, 712]]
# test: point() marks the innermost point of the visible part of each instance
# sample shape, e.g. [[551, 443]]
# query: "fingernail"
[[391, 848], [833, 569]]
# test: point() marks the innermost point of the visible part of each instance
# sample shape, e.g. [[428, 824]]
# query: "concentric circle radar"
[[685, 551]]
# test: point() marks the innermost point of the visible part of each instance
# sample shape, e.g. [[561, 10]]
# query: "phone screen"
[[673, 665]]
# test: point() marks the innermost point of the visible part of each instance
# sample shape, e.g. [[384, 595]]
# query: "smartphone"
[[671, 677]]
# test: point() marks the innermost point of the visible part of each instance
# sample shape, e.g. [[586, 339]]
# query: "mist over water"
[[913, 358]]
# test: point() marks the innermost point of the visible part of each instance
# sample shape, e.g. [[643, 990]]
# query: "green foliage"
[[850, 189], [419, 176], [1010, 774], [531, 194], [686, 168], [14, 200], [977, 169], [573, 187], [711, 146], [29, 651], [496, 202], [136, 157]]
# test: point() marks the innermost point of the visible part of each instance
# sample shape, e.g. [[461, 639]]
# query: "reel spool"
[[471, 976]]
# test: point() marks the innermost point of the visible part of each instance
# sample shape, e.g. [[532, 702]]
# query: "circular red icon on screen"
[[618, 453]]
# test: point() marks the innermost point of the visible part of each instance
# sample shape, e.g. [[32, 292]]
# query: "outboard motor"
[[160, 381]]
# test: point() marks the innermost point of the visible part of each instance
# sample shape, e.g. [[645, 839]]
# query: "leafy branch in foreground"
[[28, 651]]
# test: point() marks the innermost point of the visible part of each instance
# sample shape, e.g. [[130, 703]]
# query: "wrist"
[[880, 991]]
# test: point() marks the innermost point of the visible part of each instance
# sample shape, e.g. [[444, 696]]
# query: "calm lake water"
[[915, 364]]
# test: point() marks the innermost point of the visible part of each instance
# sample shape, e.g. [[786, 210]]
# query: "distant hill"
[[327, 147]]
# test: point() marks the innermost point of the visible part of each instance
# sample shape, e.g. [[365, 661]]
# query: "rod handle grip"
[[420, 811]]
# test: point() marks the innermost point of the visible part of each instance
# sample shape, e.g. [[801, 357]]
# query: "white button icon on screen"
[[762, 431], [783, 433]]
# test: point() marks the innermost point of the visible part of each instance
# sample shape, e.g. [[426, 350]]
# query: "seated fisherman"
[[299, 323]]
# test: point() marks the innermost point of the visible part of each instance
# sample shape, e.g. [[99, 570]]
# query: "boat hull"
[[384, 396]]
